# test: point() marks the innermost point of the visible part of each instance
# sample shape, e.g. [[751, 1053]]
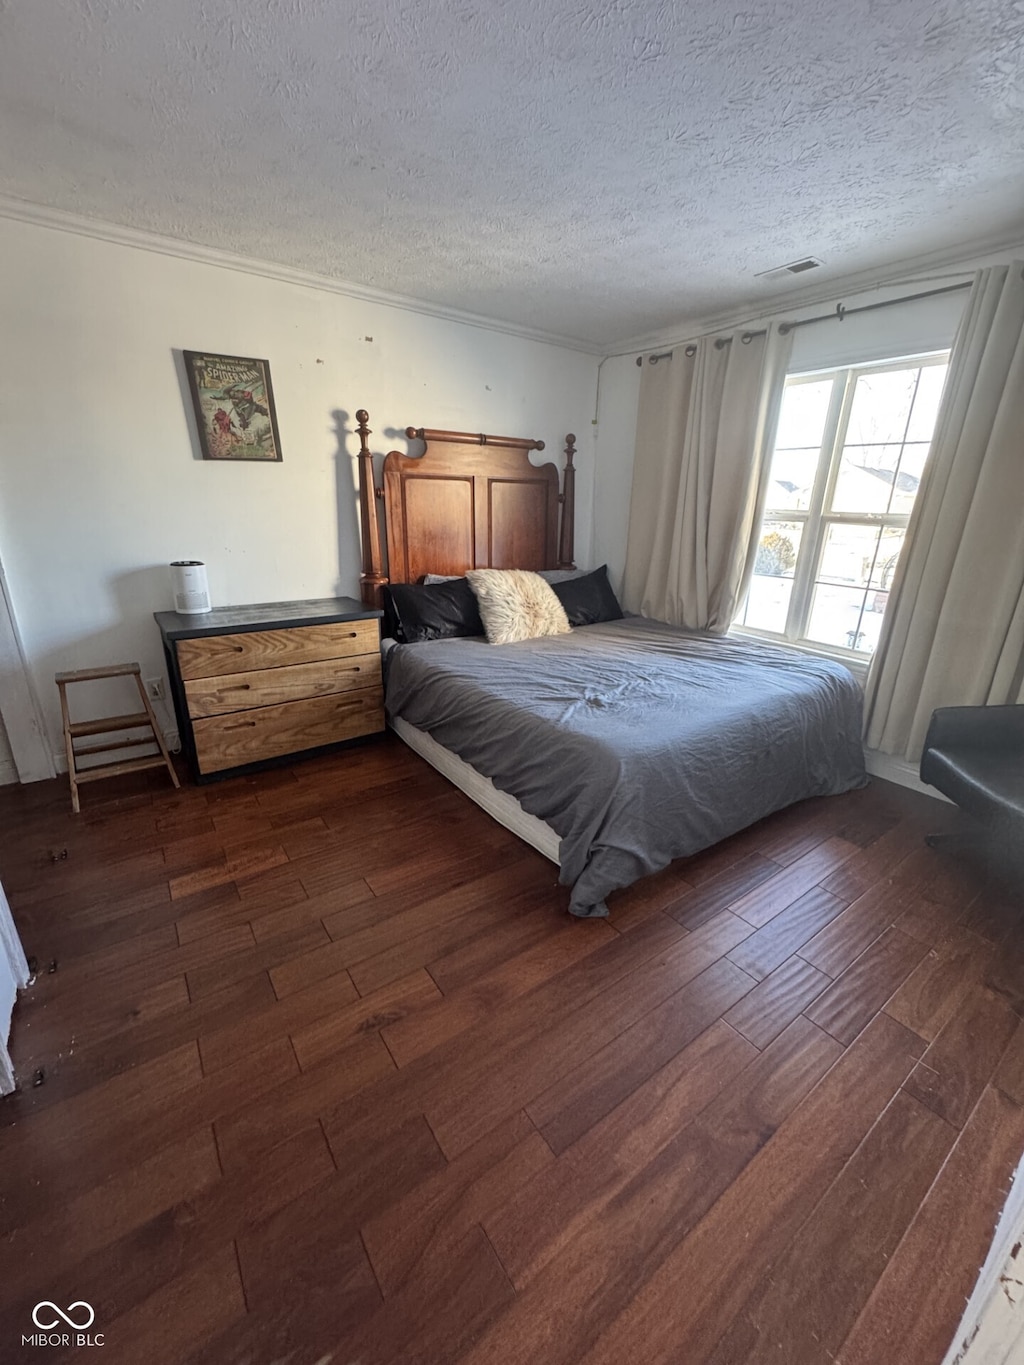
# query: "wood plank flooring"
[[330, 1076]]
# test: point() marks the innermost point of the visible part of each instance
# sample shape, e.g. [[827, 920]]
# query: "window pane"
[[849, 555], [802, 415], [908, 479], [890, 548], [854, 558], [881, 407], [836, 616], [871, 624], [866, 478], [848, 617], [926, 404], [791, 480], [772, 584]]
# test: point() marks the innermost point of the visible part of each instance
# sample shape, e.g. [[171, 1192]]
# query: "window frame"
[[815, 520]]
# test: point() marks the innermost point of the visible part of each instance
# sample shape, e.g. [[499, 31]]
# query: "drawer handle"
[[238, 687], [239, 649], [241, 725]]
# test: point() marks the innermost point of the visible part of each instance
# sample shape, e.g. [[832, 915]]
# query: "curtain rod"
[[839, 314], [691, 349]]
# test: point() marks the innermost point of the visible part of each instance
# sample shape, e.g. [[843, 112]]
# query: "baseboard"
[[898, 770]]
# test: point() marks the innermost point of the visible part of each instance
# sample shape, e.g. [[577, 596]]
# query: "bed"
[[625, 743]]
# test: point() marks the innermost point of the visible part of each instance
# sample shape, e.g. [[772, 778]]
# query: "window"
[[848, 459]]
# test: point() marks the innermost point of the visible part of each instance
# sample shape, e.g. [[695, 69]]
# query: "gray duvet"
[[637, 742]]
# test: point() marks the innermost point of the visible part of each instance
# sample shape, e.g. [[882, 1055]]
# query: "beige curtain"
[[704, 432], [954, 630]]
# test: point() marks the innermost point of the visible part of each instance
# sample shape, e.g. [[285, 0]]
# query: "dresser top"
[[309, 611]]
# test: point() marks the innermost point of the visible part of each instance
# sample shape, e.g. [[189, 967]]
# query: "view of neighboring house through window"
[[847, 463]]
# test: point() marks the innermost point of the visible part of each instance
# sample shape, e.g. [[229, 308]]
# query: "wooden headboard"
[[468, 502]]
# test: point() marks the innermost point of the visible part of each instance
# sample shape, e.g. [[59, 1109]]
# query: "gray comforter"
[[635, 741]]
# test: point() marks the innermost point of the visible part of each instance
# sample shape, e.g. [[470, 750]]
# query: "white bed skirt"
[[498, 805]]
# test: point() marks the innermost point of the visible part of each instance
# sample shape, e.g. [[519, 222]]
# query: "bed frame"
[[468, 502]]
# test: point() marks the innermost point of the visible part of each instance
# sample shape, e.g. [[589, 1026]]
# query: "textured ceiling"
[[595, 170]]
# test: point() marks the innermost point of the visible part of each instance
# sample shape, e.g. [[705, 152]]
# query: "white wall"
[[100, 484], [613, 461]]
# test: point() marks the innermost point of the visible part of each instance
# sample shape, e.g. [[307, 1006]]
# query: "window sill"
[[857, 666]]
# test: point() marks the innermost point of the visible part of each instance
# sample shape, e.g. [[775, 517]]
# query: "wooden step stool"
[[137, 720]]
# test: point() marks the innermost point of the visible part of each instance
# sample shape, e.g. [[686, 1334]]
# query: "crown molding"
[[957, 261], [60, 220], [775, 306]]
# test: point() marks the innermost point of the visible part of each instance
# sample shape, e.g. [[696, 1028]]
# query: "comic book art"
[[234, 406]]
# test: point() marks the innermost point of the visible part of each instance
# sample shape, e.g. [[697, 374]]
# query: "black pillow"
[[431, 611], [588, 599]]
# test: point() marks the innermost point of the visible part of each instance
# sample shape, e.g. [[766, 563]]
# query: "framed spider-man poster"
[[234, 406]]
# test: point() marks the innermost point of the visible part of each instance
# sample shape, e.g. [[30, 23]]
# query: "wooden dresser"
[[256, 683]]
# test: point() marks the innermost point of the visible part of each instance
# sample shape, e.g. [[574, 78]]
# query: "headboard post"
[[568, 501], [373, 577]]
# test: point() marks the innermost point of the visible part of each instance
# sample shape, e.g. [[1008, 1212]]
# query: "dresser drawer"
[[211, 656], [272, 731], [270, 686]]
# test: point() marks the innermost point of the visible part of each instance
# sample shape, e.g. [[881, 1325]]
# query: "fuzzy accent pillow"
[[516, 604]]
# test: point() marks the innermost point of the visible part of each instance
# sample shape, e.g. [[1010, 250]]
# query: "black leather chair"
[[975, 756]]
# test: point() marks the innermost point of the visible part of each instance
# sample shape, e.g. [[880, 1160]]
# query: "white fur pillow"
[[516, 605]]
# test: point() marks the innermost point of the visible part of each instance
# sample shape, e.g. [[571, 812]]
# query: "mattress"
[[499, 805], [635, 741]]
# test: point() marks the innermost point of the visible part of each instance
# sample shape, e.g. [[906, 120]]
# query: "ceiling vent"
[[779, 272]]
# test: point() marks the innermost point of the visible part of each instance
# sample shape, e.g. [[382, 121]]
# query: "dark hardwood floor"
[[330, 1076]]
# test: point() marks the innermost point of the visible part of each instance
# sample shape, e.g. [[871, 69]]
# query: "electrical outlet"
[[155, 689]]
